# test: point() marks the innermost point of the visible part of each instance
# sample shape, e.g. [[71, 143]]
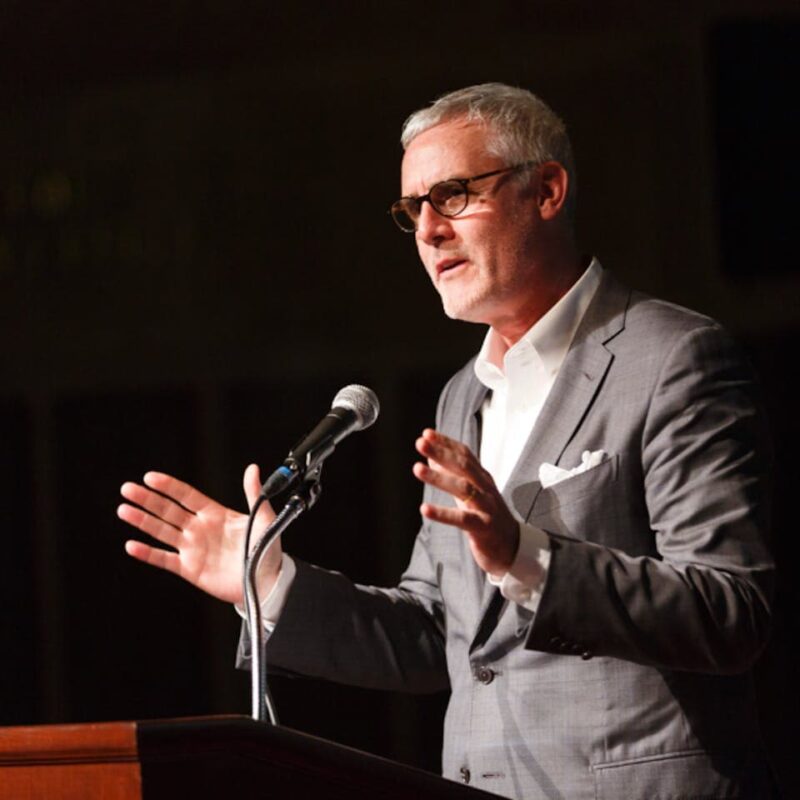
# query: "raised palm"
[[205, 537]]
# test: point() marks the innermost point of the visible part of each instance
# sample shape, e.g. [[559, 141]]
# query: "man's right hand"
[[207, 538]]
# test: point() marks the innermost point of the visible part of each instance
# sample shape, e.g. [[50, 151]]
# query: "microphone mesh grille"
[[362, 401]]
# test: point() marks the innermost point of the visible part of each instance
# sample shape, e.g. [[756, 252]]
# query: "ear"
[[552, 189]]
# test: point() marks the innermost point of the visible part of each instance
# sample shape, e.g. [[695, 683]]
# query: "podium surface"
[[198, 758]]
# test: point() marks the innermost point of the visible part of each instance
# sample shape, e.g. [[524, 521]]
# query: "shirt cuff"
[[273, 603], [524, 581]]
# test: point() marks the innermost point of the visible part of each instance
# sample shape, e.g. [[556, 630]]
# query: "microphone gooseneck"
[[354, 408]]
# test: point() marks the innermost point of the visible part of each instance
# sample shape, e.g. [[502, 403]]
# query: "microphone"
[[354, 408]]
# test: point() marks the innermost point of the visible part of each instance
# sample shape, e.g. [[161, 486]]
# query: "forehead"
[[451, 149]]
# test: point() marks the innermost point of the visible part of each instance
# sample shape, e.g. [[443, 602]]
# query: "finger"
[[466, 519], [252, 491], [147, 523], [449, 456], [183, 493], [446, 453], [156, 504], [493, 550], [252, 484], [461, 488], [163, 559]]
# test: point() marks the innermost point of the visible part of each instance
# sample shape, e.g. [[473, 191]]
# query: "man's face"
[[481, 262]]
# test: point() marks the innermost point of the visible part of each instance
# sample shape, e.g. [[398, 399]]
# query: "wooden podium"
[[193, 759]]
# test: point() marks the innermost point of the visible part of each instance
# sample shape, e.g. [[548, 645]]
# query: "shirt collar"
[[550, 336]]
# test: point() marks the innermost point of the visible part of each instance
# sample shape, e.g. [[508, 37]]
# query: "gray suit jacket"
[[630, 681]]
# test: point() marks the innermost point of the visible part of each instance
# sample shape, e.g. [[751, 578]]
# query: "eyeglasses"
[[448, 198]]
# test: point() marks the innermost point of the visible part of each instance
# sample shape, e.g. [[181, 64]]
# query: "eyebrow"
[[442, 180], [490, 173]]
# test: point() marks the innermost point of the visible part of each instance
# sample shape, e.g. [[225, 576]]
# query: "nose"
[[432, 227]]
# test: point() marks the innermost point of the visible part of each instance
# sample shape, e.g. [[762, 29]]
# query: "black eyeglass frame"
[[462, 182]]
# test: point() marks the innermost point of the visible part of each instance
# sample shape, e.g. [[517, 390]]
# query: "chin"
[[463, 311]]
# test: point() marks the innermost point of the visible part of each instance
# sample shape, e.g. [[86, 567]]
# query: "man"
[[591, 579]]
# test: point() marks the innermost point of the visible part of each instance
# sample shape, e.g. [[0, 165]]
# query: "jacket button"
[[586, 655], [484, 674], [465, 775]]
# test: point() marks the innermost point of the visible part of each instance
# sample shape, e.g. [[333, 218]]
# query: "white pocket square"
[[550, 474]]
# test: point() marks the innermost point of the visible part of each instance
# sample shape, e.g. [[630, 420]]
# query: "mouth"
[[449, 265]]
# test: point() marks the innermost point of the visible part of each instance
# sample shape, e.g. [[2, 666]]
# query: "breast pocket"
[[569, 490], [577, 507]]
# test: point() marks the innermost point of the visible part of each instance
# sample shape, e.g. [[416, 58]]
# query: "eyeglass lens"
[[448, 198], [403, 215]]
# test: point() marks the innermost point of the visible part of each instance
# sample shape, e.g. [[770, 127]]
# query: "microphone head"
[[363, 402]]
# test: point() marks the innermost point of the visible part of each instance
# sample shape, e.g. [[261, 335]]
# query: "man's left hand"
[[480, 510]]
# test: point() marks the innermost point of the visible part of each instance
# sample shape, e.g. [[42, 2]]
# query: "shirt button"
[[484, 674], [465, 775]]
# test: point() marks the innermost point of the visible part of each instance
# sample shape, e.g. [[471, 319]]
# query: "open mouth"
[[443, 267]]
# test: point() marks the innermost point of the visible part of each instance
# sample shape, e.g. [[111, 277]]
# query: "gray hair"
[[521, 126]]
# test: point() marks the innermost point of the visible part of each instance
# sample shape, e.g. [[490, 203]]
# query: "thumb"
[[252, 484], [252, 490]]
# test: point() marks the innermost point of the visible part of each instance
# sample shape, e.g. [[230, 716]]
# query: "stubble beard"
[[465, 303]]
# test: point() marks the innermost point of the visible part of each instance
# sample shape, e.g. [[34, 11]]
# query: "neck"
[[555, 280]]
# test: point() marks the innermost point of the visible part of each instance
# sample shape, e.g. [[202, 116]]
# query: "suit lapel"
[[471, 420], [471, 436], [579, 380], [487, 598]]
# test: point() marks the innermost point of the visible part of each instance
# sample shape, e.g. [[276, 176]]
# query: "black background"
[[195, 256]]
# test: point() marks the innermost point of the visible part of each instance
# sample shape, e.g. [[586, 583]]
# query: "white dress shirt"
[[519, 388]]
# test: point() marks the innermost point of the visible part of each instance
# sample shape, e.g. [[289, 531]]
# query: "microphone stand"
[[301, 500]]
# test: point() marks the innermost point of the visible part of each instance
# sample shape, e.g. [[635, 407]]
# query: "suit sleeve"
[[364, 636], [702, 601]]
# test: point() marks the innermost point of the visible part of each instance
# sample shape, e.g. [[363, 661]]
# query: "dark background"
[[195, 256]]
